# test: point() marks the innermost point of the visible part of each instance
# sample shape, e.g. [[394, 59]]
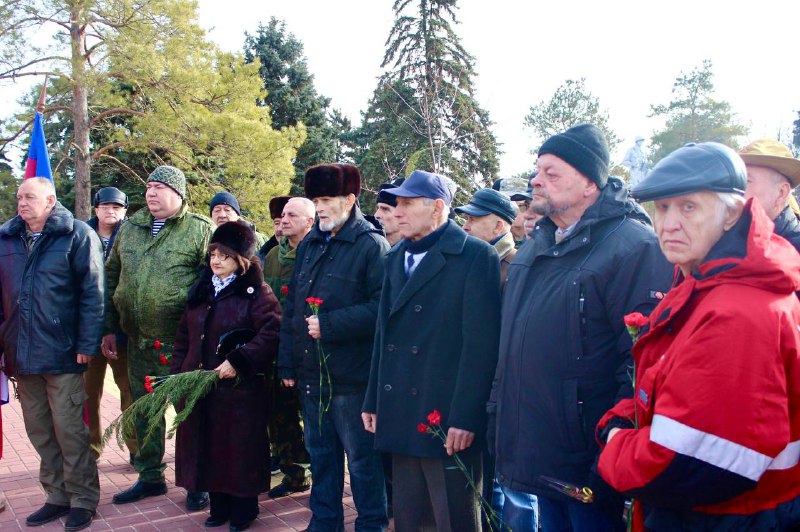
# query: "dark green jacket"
[[278, 267], [148, 279], [52, 295]]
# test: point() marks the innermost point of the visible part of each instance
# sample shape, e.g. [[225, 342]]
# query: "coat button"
[[306, 351], [415, 350], [209, 307], [413, 391], [390, 347], [555, 253], [417, 308], [388, 387], [202, 336]]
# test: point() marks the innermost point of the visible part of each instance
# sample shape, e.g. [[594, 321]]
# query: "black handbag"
[[233, 340]]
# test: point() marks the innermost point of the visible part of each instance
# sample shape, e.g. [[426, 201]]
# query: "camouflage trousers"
[[143, 359], [286, 436]]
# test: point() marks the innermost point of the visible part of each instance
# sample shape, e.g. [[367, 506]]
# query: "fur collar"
[[246, 285]]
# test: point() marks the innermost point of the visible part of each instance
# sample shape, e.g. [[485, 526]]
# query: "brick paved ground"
[[19, 472]]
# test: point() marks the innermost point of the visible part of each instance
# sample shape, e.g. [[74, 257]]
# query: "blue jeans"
[[343, 432], [562, 516], [518, 510]]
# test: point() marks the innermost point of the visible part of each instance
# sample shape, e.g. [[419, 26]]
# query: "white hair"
[[728, 202], [445, 208], [43, 182], [306, 204]]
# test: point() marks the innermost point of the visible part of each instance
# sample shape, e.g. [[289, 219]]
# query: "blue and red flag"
[[38, 163]]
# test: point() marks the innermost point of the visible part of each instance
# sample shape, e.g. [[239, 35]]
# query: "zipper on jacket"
[[582, 320]]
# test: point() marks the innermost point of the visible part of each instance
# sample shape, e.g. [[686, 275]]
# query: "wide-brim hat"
[[237, 236], [772, 154]]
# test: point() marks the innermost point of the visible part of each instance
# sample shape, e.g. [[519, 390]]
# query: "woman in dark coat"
[[222, 447]]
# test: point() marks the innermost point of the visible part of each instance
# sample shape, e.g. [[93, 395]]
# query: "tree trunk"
[[80, 114]]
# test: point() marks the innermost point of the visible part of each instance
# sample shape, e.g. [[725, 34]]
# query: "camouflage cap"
[[170, 176]]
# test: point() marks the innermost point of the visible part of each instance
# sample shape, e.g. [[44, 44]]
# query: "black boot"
[[78, 519], [139, 491], [45, 514]]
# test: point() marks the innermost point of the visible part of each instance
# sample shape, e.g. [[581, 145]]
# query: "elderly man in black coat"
[[326, 350], [435, 349]]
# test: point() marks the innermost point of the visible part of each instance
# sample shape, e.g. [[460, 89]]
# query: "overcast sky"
[[629, 52]]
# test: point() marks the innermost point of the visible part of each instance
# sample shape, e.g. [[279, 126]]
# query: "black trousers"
[[432, 494], [238, 510]]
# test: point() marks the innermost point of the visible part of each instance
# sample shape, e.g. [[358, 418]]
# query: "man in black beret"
[[565, 353], [326, 351]]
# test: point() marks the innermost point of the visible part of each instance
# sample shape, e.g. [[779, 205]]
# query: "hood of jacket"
[[60, 222]]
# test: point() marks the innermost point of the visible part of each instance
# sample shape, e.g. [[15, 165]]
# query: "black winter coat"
[[94, 223], [223, 445], [436, 343], [346, 272], [52, 297], [565, 354], [788, 226]]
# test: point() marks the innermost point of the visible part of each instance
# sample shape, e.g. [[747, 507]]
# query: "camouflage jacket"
[[278, 268], [148, 279]]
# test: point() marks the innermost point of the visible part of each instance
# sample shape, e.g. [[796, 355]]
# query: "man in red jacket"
[[711, 437]]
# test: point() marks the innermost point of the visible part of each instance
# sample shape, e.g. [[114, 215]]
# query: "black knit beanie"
[[584, 147]]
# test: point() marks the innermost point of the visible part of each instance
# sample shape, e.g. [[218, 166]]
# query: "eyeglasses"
[[110, 207], [219, 257]]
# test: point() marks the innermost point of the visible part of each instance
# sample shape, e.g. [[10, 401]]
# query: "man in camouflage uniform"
[[285, 432], [153, 263]]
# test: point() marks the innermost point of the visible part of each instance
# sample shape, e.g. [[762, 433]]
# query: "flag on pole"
[[38, 163]]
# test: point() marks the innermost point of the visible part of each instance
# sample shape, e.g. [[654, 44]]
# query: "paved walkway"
[[19, 473]]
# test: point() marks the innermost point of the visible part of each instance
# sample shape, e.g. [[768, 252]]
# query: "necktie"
[[409, 265]]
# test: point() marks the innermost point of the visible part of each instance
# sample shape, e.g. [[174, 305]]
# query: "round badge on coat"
[[250, 289]]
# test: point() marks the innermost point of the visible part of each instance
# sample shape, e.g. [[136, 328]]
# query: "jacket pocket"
[[64, 339], [573, 415]]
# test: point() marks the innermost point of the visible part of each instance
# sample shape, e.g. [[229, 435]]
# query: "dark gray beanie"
[[584, 148], [225, 198]]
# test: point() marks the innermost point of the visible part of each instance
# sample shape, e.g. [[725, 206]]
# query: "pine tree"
[[694, 115], [424, 113]]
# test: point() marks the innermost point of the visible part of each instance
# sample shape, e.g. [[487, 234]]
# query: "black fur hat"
[[236, 236], [276, 205], [332, 180]]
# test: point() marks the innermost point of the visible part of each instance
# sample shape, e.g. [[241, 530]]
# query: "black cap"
[[695, 167], [110, 195], [384, 197], [489, 201], [225, 198], [584, 148], [528, 194]]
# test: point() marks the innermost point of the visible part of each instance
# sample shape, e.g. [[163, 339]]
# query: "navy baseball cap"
[[422, 184], [488, 201]]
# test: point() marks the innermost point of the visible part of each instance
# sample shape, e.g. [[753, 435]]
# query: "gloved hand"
[[606, 499]]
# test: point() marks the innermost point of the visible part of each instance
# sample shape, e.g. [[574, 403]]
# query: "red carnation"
[[162, 358], [310, 300], [635, 319], [285, 290], [147, 380], [318, 302], [148, 387], [423, 428], [157, 344], [435, 418]]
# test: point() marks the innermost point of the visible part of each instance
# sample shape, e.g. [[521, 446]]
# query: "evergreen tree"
[[571, 104], [694, 115], [292, 98], [140, 85], [424, 114]]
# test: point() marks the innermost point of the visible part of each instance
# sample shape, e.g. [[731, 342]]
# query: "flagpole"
[[40, 106]]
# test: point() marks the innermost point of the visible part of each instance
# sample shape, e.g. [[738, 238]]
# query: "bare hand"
[[370, 421], [289, 383], [313, 327], [458, 440], [226, 370], [611, 434], [85, 359], [109, 346]]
